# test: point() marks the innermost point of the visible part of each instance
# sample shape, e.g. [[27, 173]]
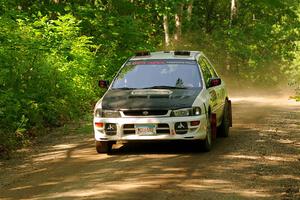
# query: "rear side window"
[[205, 70], [211, 69]]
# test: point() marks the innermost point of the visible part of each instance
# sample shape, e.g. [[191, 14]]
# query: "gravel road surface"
[[260, 160]]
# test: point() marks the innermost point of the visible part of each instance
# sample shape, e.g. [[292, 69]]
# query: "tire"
[[226, 121], [103, 146], [207, 142]]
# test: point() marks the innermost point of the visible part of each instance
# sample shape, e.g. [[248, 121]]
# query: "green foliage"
[[256, 47], [51, 56], [44, 73], [293, 72]]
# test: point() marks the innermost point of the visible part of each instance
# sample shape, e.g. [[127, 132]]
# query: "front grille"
[[145, 112], [162, 129], [128, 126], [129, 129]]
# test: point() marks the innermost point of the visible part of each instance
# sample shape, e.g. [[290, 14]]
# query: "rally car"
[[167, 95]]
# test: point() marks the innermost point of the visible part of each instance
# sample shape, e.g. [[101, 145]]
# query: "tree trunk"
[[190, 10], [209, 6], [233, 11], [178, 22], [134, 14], [166, 30]]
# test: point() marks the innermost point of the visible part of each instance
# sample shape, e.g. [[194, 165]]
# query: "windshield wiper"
[[165, 87]]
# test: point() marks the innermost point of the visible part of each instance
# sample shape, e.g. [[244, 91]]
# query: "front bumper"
[[193, 132]]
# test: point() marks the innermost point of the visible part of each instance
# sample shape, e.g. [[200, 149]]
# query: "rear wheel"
[[223, 130], [103, 146]]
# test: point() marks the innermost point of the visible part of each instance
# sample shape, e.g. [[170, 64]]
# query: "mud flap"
[[230, 113], [213, 125]]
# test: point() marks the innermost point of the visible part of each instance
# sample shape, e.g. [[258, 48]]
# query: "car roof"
[[167, 55]]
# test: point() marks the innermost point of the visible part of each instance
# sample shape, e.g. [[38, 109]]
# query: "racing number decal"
[[213, 97], [222, 93]]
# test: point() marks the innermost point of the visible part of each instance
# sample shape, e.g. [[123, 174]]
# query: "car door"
[[207, 75], [220, 92]]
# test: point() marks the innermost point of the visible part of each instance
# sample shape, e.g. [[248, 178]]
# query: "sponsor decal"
[[147, 63], [213, 94], [161, 62]]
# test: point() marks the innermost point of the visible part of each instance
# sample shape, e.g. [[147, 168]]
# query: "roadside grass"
[[76, 128], [46, 139], [79, 128]]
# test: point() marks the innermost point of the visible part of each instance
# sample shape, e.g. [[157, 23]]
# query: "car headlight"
[[107, 113], [195, 111], [98, 112]]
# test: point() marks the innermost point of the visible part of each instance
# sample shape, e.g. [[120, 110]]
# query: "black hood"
[[149, 99]]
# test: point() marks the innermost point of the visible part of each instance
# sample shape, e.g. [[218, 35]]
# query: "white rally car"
[[168, 95]]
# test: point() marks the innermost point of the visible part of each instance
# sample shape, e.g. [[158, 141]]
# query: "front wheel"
[[103, 146], [207, 142]]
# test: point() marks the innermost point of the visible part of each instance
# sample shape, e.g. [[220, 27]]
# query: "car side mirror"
[[214, 82], [103, 84]]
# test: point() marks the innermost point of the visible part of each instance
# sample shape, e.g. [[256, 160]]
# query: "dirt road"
[[260, 160]]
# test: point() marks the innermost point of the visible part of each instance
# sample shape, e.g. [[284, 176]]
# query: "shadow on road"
[[161, 147], [260, 160]]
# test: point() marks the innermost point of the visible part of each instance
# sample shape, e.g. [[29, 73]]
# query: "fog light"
[[110, 129], [181, 127], [195, 123]]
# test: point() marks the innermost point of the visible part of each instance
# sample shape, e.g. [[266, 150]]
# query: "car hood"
[[166, 99]]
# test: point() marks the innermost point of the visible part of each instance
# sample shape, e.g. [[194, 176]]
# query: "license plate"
[[145, 129]]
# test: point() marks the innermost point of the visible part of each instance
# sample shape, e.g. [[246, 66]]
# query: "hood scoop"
[[149, 97], [151, 92]]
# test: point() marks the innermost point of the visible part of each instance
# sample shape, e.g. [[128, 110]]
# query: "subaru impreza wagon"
[[168, 95]]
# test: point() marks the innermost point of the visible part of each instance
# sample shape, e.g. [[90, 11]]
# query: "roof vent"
[[142, 53], [182, 53]]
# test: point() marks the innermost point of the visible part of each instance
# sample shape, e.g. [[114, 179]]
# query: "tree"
[[233, 10], [166, 30], [178, 22], [189, 10]]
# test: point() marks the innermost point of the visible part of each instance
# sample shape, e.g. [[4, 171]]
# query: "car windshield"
[[173, 74]]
